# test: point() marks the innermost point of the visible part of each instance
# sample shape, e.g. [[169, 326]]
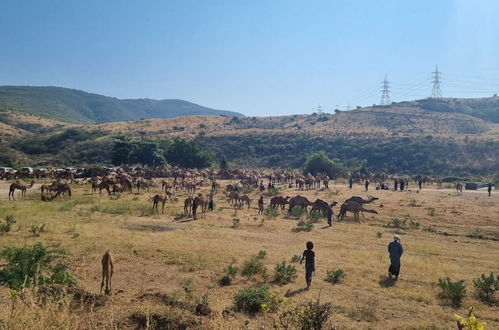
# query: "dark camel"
[[159, 199], [360, 200], [199, 201]]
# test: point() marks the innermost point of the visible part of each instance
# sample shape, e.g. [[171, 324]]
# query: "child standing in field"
[[260, 205], [309, 256]]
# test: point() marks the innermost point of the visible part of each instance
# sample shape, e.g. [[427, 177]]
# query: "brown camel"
[[360, 200], [107, 272], [244, 199], [300, 201], [20, 186], [355, 208], [156, 200], [199, 201], [233, 197], [188, 205]]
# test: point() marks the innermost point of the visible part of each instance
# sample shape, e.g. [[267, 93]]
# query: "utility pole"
[[319, 109], [436, 93], [385, 96]]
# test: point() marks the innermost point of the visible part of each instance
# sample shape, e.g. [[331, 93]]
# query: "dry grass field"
[[164, 257]]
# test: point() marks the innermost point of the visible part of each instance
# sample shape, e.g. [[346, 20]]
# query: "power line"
[[385, 96], [436, 92]]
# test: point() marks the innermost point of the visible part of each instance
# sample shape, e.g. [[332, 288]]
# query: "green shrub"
[[225, 280], [315, 216], [452, 291], [7, 226], [335, 276], [235, 222], [303, 226], [253, 299], [414, 224], [476, 234], [487, 286], [36, 265], [313, 315], [273, 191], [188, 286], [297, 211], [255, 265], [283, 274], [271, 213], [296, 258], [36, 230], [379, 234], [397, 223], [231, 270]]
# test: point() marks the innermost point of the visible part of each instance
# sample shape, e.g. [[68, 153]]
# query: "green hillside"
[[76, 106]]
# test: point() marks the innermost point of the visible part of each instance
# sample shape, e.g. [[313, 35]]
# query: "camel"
[[320, 205], [245, 199], [188, 205], [199, 201], [300, 201], [20, 186], [360, 200], [107, 271], [233, 198], [156, 200], [355, 208], [278, 201]]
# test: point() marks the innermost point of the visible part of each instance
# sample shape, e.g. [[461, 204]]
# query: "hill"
[[74, 106], [400, 138]]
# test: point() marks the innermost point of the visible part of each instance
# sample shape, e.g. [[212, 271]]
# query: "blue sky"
[[263, 57]]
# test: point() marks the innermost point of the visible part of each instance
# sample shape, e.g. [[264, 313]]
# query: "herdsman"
[[395, 249]]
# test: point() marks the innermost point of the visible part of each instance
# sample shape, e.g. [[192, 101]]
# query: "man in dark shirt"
[[367, 185], [309, 256], [329, 214], [350, 183], [395, 249], [489, 187]]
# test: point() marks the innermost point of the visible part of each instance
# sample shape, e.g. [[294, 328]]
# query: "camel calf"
[[107, 272]]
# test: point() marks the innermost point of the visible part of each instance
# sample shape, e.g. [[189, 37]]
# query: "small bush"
[[303, 226], [470, 323], [225, 280], [296, 258], [297, 211], [261, 254], [31, 266], [7, 226], [487, 286], [379, 234], [414, 224], [254, 266], [253, 299], [231, 270], [188, 286], [273, 191], [431, 212], [313, 315], [36, 230], [271, 213], [397, 223], [315, 216], [335, 276], [452, 291], [235, 222], [476, 234], [247, 190], [283, 274]]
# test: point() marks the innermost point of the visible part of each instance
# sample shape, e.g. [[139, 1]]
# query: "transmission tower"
[[436, 92], [319, 109], [385, 96]]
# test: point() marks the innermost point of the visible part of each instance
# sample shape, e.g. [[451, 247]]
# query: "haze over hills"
[[75, 106]]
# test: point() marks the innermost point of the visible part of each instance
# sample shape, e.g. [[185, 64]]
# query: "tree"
[[186, 153], [224, 164], [122, 150], [319, 162], [147, 153]]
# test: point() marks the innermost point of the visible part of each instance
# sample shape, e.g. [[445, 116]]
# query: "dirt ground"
[[450, 236]]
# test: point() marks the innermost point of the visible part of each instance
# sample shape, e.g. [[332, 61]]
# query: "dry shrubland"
[[168, 267]]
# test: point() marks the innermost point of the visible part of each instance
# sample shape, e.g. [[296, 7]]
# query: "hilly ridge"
[[75, 106]]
